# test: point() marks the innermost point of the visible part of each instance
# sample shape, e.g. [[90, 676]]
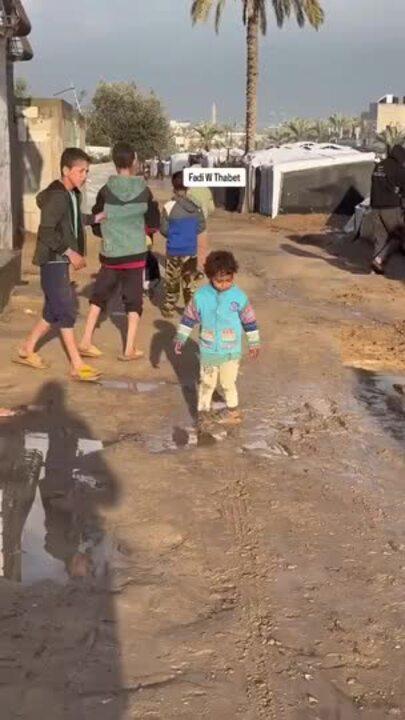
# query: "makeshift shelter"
[[179, 161], [307, 177]]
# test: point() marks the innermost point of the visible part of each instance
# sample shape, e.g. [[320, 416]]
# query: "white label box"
[[214, 177]]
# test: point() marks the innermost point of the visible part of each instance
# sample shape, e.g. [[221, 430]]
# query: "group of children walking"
[[125, 217]]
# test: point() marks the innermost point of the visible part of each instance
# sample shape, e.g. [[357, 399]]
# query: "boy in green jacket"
[[61, 242], [126, 200]]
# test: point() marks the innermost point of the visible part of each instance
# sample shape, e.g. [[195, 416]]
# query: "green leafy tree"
[[119, 111], [254, 16]]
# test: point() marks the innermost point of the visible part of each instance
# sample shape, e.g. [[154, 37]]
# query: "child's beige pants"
[[226, 375]]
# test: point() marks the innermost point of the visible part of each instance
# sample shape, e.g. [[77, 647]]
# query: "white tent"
[[304, 177], [179, 161], [219, 156]]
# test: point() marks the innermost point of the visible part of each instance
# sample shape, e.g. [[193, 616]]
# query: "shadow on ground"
[[57, 567], [185, 366], [344, 252]]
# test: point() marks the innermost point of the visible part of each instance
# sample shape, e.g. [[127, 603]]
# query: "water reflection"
[[383, 397], [43, 532], [53, 481]]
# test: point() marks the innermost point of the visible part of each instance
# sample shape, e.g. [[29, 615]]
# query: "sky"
[[358, 56]]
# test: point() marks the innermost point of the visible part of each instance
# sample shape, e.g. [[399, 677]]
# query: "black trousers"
[[131, 282], [389, 232]]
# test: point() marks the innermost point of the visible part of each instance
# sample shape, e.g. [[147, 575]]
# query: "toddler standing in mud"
[[223, 312]]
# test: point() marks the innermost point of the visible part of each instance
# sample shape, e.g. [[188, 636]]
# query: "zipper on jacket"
[[217, 341]]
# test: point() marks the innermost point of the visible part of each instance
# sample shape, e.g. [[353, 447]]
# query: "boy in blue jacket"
[[223, 312], [182, 223]]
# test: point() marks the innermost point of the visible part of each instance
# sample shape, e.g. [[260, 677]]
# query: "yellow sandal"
[[90, 352], [86, 374], [32, 360]]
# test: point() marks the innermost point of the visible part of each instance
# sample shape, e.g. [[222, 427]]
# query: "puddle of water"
[[117, 385], [131, 385], [146, 387], [36, 562], [88, 447], [384, 397], [180, 438], [183, 438], [44, 534]]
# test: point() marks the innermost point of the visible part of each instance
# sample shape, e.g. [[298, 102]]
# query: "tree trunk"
[[252, 73]]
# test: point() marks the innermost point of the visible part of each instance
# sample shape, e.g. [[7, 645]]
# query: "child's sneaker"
[[230, 417], [205, 423]]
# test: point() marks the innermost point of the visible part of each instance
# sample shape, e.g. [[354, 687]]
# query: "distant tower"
[[214, 113]]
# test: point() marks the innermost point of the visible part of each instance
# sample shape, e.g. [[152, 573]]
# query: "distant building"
[[388, 111], [14, 46], [188, 140], [45, 128]]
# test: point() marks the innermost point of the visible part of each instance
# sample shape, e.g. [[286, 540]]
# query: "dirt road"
[[258, 578]]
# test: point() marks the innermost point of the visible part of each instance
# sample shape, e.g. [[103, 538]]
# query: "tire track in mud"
[[256, 623]]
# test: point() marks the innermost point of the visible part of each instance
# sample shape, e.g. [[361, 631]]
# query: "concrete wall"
[[390, 114], [6, 223], [45, 129]]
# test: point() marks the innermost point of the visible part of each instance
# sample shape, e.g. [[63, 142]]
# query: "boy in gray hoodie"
[[126, 200]]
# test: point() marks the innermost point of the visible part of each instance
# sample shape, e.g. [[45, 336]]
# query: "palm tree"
[[279, 136], [321, 131], [254, 14], [354, 125], [339, 124], [300, 129], [392, 135], [208, 133]]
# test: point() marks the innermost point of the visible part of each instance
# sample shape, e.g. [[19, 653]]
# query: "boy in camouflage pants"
[[182, 222]]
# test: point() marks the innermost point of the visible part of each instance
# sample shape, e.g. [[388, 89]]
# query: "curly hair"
[[220, 262]]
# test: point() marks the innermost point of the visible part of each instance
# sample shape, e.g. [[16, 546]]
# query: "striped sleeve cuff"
[[190, 319], [253, 338], [183, 333]]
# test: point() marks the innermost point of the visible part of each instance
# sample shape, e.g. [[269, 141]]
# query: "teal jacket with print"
[[223, 317]]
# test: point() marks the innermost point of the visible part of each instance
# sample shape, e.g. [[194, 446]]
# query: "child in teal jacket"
[[223, 312]]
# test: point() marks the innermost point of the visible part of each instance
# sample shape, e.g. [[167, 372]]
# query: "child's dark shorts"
[[60, 304], [131, 283]]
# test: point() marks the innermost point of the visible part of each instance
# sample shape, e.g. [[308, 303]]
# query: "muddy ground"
[[261, 577]]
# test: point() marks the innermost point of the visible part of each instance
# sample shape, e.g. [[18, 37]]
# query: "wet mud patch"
[[383, 396], [288, 429]]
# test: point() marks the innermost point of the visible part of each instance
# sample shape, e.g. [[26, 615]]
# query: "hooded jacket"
[[182, 222], [126, 202], [203, 198], [388, 181], [56, 230], [222, 317]]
